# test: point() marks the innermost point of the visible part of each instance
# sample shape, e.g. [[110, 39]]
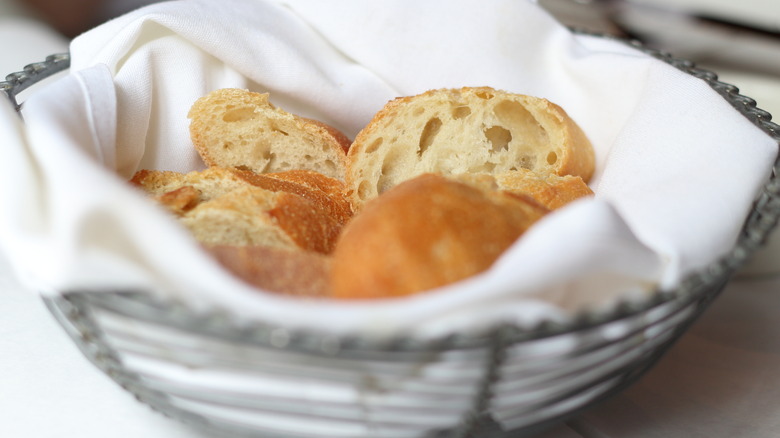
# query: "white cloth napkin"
[[677, 167]]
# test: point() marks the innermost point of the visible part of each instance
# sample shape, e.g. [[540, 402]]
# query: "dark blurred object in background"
[[73, 17], [741, 35]]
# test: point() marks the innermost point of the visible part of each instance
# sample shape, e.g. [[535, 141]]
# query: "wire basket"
[[266, 380]]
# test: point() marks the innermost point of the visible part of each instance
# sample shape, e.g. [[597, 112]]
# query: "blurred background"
[[71, 17], [743, 35]]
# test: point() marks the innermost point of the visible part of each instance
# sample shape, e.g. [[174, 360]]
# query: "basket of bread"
[[306, 219]]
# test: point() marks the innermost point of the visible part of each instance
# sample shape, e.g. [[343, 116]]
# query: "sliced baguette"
[[254, 216], [181, 192], [238, 128], [237, 207], [426, 232], [467, 130], [239, 217], [327, 193]]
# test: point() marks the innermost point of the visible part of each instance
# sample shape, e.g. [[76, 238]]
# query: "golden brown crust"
[[289, 272], [181, 200], [552, 191], [580, 159], [309, 226], [425, 233], [329, 131], [157, 182], [328, 193]]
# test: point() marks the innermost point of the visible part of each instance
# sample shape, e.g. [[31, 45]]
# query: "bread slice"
[[329, 194], [239, 217], [181, 192], [238, 128], [550, 190], [236, 207], [255, 216], [467, 130], [426, 232], [157, 182]]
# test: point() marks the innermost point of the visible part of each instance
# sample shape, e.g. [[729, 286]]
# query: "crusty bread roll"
[[467, 130], [238, 128], [290, 272], [302, 210], [426, 232]]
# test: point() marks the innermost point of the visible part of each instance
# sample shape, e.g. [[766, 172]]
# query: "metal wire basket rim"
[[755, 232]]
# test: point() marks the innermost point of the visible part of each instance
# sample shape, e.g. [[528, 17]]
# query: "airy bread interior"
[[238, 128], [467, 130]]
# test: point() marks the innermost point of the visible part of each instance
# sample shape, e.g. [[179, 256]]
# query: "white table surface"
[[722, 379]]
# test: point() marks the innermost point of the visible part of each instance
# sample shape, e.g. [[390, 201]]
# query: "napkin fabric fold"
[[677, 166]]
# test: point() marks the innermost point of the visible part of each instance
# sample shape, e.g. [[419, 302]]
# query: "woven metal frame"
[[19, 81], [506, 382]]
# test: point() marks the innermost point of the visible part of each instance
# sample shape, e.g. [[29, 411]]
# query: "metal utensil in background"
[[708, 36]]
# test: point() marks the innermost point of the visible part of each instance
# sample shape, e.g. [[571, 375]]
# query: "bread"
[[424, 233], [327, 193], [239, 217], [467, 130], [444, 182], [552, 191], [238, 128], [549, 190], [157, 182], [169, 187], [254, 216], [289, 272], [180, 200], [303, 210]]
